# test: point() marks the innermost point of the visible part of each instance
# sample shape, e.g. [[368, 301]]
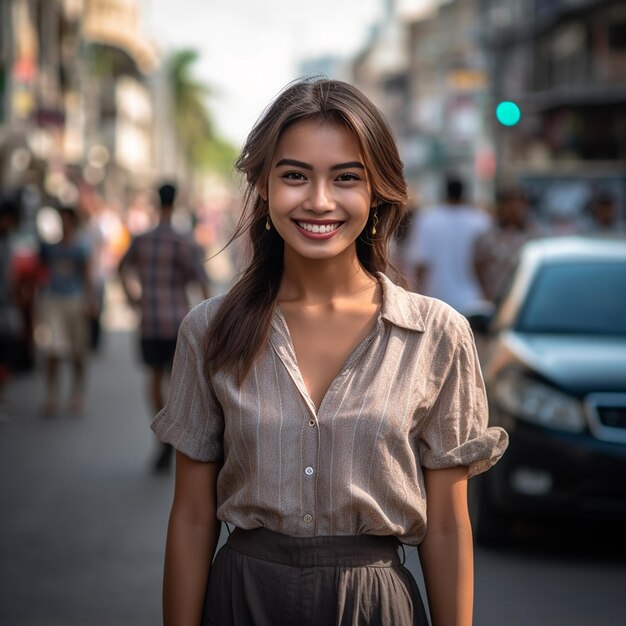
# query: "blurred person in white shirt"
[[440, 249]]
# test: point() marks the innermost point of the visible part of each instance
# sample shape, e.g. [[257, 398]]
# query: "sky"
[[250, 49]]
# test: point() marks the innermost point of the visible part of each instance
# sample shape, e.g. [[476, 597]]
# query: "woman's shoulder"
[[201, 315], [436, 311], [441, 319], [446, 332], [422, 312]]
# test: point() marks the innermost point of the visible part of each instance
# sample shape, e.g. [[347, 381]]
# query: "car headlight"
[[538, 403]]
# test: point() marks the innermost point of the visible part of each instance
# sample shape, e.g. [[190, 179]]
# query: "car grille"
[[606, 413]]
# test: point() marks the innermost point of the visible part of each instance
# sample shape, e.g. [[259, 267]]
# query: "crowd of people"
[[462, 254], [52, 293]]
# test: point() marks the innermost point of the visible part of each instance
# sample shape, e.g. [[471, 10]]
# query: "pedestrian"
[[90, 206], [318, 407], [496, 250], [63, 309], [604, 216], [164, 264], [11, 327], [441, 245]]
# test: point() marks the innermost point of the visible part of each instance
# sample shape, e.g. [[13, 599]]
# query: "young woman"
[[318, 407]]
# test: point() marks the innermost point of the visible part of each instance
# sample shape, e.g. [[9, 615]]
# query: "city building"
[[563, 63], [75, 98], [426, 70], [448, 86]]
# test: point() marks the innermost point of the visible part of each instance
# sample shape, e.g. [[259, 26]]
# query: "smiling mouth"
[[319, 228]]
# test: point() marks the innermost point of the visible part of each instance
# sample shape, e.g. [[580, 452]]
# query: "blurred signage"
[[467, 79]]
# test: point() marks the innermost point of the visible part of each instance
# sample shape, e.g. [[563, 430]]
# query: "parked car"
[[553, 353]]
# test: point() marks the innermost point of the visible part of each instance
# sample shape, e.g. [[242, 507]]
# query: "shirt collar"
[[399, 306]]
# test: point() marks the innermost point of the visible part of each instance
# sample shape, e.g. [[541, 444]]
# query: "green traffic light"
[[508, 113]]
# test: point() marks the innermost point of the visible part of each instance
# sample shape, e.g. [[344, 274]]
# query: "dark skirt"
[[263, 578]]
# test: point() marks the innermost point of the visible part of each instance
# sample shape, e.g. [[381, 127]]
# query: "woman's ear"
[[261, 189]]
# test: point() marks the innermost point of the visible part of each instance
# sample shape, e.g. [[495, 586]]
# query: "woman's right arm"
[[192, 536]]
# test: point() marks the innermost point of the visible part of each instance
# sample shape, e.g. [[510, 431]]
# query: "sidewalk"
[[83, 519]]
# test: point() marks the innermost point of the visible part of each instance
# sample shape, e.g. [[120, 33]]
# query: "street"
[[83, 521]]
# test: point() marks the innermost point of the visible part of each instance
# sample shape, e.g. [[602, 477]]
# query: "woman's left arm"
[[447, 553]]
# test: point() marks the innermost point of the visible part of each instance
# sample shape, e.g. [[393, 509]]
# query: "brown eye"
[[347, 177]]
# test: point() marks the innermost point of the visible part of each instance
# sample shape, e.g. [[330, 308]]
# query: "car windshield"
[[577, 298]]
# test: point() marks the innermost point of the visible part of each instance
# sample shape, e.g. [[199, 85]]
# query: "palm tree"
[[202, 147], [191, 116]]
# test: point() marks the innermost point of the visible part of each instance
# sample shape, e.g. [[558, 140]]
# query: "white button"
[[311, 422], [308, 518], [309, 471]]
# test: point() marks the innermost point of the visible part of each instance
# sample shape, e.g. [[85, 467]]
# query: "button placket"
[[310, 434]]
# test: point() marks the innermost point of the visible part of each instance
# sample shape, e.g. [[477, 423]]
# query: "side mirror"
[[480, 317]]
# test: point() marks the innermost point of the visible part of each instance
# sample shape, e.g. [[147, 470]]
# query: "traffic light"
[[508, 113]]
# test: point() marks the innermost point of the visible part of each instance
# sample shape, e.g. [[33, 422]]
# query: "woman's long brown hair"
[[241, 324]]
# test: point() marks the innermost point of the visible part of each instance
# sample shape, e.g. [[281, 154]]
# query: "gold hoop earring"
[[268, 225], [374, 221]]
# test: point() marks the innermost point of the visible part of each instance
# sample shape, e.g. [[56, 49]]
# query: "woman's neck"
[[322, 281]]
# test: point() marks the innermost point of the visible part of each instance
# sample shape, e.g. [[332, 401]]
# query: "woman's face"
[[318, 191]]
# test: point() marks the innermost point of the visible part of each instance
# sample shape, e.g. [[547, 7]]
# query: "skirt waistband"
[[341, 550]]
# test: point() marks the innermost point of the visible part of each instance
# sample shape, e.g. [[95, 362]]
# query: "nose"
[[320, 198]]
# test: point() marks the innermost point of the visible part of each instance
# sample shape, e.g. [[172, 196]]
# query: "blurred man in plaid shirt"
[[165, 263]]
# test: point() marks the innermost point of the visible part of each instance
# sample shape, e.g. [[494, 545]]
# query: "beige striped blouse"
[[410, 396]]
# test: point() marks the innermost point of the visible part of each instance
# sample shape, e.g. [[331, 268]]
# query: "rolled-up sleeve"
[[192, 420], [455, 432]]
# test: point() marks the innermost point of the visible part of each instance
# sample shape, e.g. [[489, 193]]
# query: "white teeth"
[[319, 228]]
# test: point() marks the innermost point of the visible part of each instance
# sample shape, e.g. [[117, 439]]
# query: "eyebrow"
[[307, 166]]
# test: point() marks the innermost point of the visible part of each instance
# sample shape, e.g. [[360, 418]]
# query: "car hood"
[[580, 365]]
